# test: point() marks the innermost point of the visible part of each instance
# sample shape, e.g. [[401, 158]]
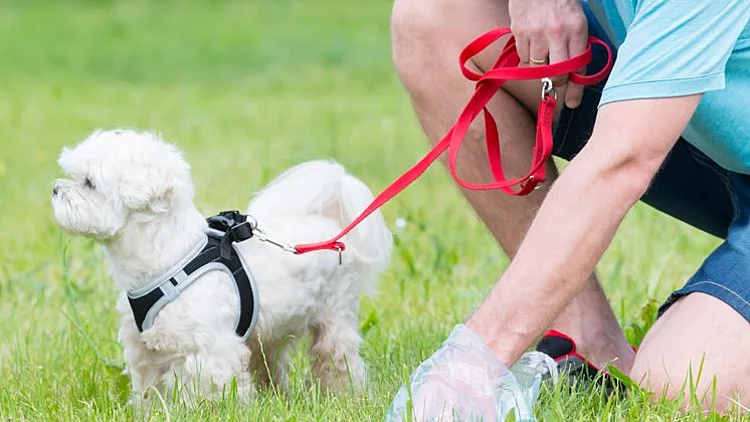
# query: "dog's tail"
[[324, 187]]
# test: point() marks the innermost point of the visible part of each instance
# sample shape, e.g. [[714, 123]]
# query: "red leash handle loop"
[[487, 85]]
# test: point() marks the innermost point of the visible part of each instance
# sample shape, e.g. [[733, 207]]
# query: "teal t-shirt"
[[669, 48]]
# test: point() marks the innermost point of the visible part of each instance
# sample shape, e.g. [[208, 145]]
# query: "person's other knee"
[[688, 359], [656, 378], [685, 381]]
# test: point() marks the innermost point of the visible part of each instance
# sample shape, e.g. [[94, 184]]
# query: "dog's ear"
[[147, 187]]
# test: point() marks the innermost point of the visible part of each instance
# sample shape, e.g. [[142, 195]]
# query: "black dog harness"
[[216, 253]]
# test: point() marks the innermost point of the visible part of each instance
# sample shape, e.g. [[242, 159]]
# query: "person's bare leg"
[[697, 330], [427, 36]]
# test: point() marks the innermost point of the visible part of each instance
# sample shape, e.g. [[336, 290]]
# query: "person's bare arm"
[[578, 220]]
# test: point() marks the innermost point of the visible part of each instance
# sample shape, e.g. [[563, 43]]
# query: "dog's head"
[[116, 177]]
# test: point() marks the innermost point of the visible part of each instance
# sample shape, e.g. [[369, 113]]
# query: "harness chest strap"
[[214, 254], [487, 85]]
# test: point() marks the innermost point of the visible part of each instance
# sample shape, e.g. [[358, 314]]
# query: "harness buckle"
[[241, 232], [225, 220]]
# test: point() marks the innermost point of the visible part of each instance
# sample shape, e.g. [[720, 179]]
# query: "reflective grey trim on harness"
[[172, 272], [217, 252]]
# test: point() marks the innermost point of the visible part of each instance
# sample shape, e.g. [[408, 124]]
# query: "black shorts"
[[690, 187]]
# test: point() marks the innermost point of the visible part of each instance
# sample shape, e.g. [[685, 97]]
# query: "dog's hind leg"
[[336, 342]]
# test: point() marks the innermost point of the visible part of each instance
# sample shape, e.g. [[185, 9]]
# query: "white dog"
[[133, 193]]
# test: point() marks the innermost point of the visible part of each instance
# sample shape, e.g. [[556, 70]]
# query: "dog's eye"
[[88, 183]]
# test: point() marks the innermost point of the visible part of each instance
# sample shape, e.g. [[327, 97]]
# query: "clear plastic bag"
[[464, 381]]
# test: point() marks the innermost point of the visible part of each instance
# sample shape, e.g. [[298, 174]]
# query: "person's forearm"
[[569, 235]]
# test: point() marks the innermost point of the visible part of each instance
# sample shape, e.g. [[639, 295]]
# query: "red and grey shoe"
[[582, 373]]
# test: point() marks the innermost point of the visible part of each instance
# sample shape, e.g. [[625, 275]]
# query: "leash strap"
[[487, 85]]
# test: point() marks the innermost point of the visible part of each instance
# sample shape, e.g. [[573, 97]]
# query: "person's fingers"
[[522, 47], [574, 92], [538, 51], [558, 52], [576, 45]]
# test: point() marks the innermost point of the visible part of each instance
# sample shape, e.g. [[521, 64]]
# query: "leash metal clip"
[[257, 232], [265, 238], [531, 179], [548, 87]]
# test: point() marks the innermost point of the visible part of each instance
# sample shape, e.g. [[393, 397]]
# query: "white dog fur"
[[133, 193]]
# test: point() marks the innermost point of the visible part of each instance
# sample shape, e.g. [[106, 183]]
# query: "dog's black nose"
[[55, 189]]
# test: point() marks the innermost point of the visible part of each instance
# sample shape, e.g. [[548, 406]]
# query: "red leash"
[[487, 85]]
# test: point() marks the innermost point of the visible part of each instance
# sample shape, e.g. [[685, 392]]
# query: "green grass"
[[250, 88]]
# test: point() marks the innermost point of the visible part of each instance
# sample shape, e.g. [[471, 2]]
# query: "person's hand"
[[550, 31], [464, 379]]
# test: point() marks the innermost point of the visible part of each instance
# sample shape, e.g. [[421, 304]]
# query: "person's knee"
[[654, 378], [686, 382], [696, 361], [415, 35], [427, 37]]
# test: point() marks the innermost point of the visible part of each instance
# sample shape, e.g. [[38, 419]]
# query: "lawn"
[[248, 89]]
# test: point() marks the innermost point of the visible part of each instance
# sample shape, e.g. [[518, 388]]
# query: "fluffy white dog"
[[132, 192]]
